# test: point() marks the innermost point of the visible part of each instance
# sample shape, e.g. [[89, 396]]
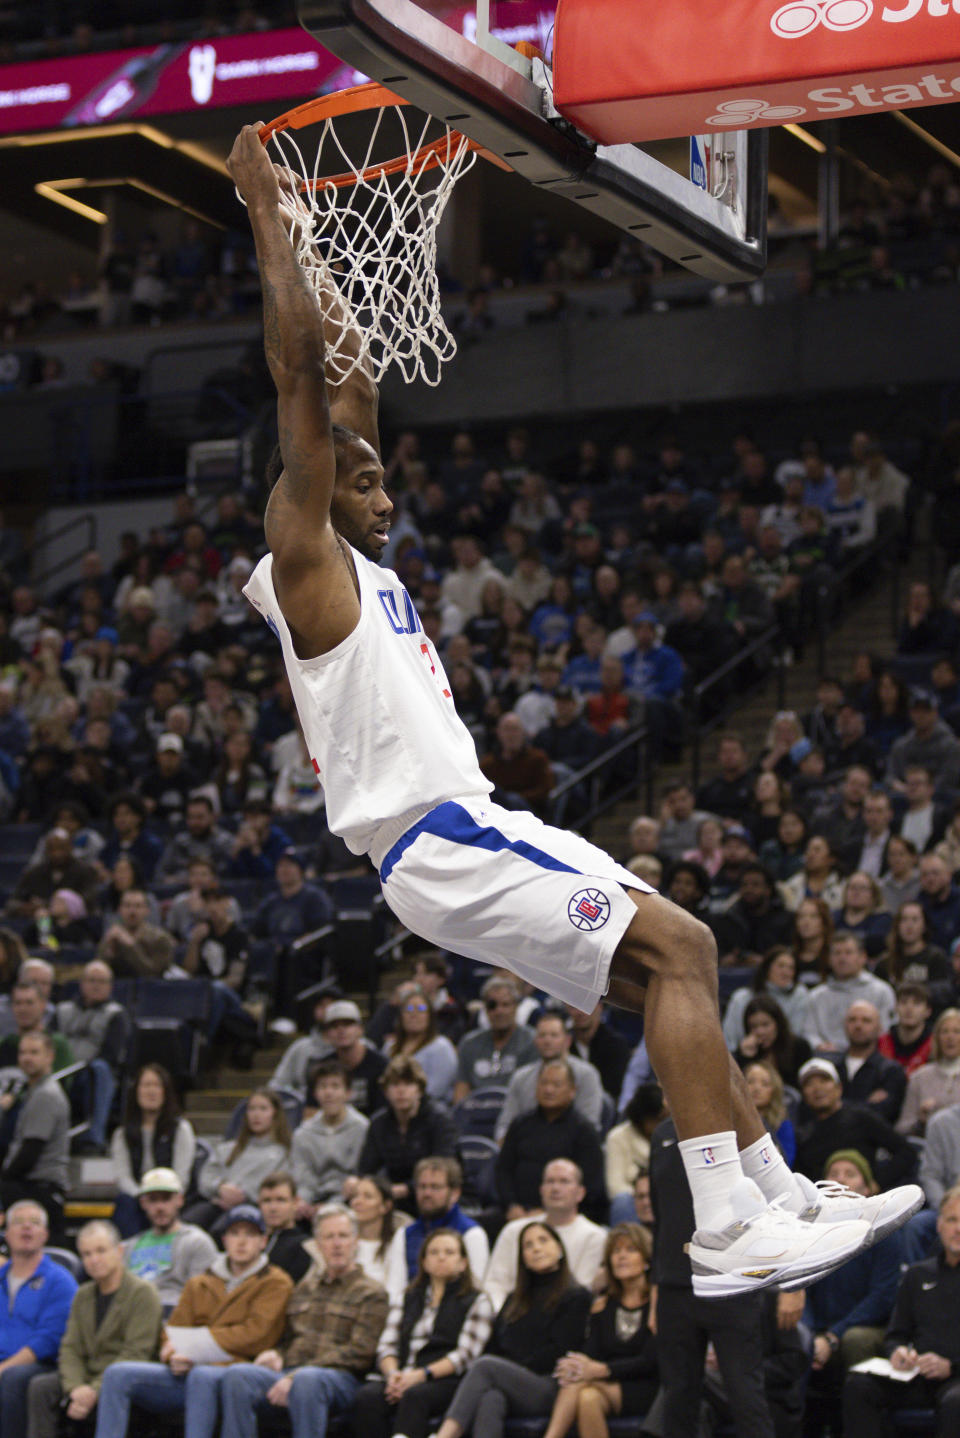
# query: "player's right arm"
[[314, 585]]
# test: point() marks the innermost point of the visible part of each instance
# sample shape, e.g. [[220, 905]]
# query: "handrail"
[[763, 641], [88, 520], [633, 739], [883, 547]]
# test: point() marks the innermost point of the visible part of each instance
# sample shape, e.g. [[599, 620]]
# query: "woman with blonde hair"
[[766, 1090], [937, 1084], [616, 1374], [784, 733]]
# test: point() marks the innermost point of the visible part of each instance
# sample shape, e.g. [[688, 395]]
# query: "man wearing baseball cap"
[[835, 1125], [240, 1300], [343, 1030], [169, 1252]]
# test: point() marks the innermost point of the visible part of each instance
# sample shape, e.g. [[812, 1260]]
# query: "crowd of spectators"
[[909, 238], [166, 822]]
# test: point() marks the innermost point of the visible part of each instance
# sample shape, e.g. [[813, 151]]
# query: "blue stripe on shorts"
[[451, 821]]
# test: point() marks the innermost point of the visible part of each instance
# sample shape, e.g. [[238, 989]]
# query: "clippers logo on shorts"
[[709, 1157], [589, 909]]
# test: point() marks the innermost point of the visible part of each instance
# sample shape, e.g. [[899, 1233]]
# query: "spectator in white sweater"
[[847, 982], [236, 1168]]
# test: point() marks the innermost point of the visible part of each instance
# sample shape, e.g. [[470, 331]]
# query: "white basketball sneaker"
[[830, 1202], [766, 1245]]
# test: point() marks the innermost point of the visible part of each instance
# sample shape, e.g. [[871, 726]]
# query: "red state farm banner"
[[626, 70]]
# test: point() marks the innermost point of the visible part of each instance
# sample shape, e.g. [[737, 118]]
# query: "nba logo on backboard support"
[[588, 909], [709, 1157]]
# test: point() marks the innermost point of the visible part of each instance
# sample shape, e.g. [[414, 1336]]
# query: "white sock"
[[764, 1163], [713, 1167]]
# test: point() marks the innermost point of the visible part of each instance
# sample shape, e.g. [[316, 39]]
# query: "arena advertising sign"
[[252, 70], [652, 71]]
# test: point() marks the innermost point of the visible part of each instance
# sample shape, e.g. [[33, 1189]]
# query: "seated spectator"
[[849, 1310], [168, 1252], [154, 1134], [36, 1164], [908, 1042], [766, 1090], [922, 1338], [616, 1373], [293, 1069], [940, 899], [218, 951], [925, 820], [851, 747], [847, 981], [125, 875], [863, 913], [708, 850], [259, 842], [543, 1320], [114, 1318], [783, 736], [240, 1301], [703, 641], [755, 921], [133, 947], [777, 976], [233, 1172], [878, 831], [432, 972], [901, 882], [299, 908], [325, 1149], [553, 1129], [58, 869], [885, 702], [201, 838], [277, 1201], [627, 1146], [911, 956], [85, 841], [768, 1038], [365, 1066], [166, 787], [818, 879], [378, 1220], [598, 1043], [769, 796], [28, 1008], [929, 743], [329, 1344], [434, 1331], [868, 1077], [936, 1085], [737, 853], [730, 793], [437, 1186], [553, 1041], [520, 772], [409, 1128], [35, 1297], [63, 923], [415, 1035], [492, 1054], [680, 819], [98, 1031], [128, 835], [635, 1206], [927, 629], [834, 1124]]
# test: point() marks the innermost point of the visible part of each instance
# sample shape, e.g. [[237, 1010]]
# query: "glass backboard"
[[457, 62]]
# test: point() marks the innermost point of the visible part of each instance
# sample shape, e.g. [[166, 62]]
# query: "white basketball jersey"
[[376, 711]]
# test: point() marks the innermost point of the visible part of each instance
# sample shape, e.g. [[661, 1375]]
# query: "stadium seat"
[[478, 1156], [67, 1260], [477, 1114]]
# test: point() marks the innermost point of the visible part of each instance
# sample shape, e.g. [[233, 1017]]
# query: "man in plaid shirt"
[[334, 1321]]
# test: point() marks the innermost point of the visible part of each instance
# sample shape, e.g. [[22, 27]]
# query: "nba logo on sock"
[[588, 909], [709, 1157], [765, 1155]]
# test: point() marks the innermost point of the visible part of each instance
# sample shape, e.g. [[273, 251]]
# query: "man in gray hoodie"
[[326, 1149], [848, 981]]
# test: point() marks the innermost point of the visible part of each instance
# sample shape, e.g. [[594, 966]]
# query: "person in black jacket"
[[543, 1319], [834, 1124], [923, 1338], [617, 1372], [552, 1130], [440, 1326], [408, 1129]]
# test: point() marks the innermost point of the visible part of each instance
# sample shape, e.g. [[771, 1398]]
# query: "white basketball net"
[[376, 240]]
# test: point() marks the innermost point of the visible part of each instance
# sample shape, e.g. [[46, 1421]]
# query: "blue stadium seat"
[[478, 1155], [477, 1114]]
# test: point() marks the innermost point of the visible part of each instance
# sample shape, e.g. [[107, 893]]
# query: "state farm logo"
[[799, 17], [734, 113]]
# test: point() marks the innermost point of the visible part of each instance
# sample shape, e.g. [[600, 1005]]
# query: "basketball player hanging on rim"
[[402, 784]]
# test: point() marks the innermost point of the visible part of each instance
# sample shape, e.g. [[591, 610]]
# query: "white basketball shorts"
[[506, 889]]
